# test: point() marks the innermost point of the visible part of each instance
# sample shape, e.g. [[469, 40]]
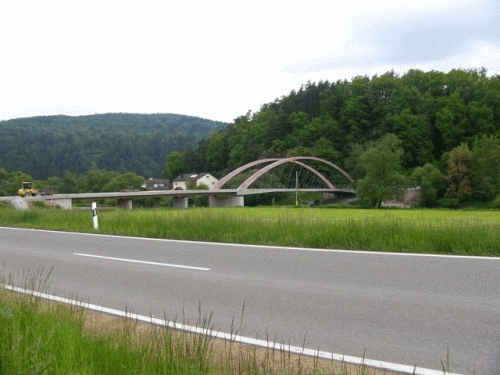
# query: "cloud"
[[436, 37], [405, 35], [218, 59]]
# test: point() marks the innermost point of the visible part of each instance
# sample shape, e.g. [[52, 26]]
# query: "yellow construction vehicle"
[[27, 190]]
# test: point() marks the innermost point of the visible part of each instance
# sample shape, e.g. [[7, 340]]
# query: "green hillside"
[[53, 145]]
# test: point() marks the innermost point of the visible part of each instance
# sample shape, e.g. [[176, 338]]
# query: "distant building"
[[198, 179], [157, 184]]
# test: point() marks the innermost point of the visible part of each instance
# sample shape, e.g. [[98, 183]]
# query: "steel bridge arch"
[[274, 163]]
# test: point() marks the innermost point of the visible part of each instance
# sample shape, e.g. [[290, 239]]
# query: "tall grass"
[[42, 338], [427, 231], [48, 338]]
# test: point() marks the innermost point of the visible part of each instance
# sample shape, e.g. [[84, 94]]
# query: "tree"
[[69, 183], [486, 167], [216, 153], [95, 179], [123, 181], [431, 181], [352, 161], [15, 179], [325, 149], [384, 178], [298, 120], [300, 151], [174, 165], [4, 181], [237, 156], [414, 132], [451, 120], [459, 172], [53, 184], [480, 118]]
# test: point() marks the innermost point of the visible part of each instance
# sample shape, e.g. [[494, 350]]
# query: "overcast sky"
[[218, 59]]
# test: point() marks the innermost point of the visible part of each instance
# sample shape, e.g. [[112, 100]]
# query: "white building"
[[198, 179]]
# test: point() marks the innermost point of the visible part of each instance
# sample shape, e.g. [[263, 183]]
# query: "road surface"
[[406, 309]]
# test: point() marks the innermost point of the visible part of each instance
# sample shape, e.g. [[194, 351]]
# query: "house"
[[197, 179], [157, 184]]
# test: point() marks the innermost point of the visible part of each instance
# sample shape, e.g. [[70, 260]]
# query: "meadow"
[[459, 232]]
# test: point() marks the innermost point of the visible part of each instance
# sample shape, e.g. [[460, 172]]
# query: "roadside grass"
[[466, 232], [43, 338], [40, 337]]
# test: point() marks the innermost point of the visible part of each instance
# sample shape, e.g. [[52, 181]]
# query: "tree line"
[[432, 129], [92, 181]]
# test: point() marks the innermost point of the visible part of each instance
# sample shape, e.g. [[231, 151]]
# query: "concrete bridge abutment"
[[180, 202], [124, 203], [226, 201], [64, 203]]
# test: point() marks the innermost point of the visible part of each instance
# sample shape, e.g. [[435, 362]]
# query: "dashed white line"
[[143, 262]]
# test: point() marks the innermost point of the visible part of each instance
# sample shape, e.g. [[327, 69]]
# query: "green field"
[[466, 232]]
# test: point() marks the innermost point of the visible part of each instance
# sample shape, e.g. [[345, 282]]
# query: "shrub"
[[496, 202], [449, 203]]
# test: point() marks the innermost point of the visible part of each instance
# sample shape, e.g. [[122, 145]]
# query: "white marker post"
[[94, 215]]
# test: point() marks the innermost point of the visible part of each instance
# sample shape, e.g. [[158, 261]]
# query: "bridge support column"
[[179, 202], [124, 203], [64, 203], [226, 201]]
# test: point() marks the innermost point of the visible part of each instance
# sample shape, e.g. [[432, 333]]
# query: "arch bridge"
[[220, 195], [265, 166]]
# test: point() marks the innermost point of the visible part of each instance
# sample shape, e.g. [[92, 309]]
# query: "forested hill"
[[436, 130], [430, 112], [53, 145]]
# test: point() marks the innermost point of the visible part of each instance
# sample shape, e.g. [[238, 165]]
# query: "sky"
[[219, 59]]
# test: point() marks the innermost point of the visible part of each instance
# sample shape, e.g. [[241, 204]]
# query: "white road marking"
[[143, 262], [389, 366], [270, 247]]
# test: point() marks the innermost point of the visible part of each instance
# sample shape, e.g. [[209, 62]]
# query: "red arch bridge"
[[220, 195]]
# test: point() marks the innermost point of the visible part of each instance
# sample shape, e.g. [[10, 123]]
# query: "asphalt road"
[[407, 309]]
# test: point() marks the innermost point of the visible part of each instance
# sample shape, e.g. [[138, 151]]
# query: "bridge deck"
[[183, 193]]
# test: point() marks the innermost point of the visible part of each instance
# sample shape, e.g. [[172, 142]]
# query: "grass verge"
[[39, 337], [423, 231]]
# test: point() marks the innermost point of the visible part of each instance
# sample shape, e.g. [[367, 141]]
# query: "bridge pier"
[[64, 203], [179, 202], [226, 201], [124, 203]]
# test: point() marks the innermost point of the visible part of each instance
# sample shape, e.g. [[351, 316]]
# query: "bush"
[[496, 202], [38, 204], [449, 203]]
